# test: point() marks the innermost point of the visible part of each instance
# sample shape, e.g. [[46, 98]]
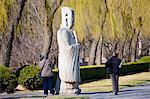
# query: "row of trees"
[[28, 28], [106, 26]]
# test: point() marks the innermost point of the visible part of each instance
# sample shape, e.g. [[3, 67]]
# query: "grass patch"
[[105, 85]]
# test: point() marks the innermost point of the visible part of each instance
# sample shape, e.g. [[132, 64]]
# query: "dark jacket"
[[112, 65]]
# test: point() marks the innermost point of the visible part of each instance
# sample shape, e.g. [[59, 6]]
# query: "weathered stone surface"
[[68, 61]]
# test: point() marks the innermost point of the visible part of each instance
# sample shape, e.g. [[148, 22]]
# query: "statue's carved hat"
[[67, 13]]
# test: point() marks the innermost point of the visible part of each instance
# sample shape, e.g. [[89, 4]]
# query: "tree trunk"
[[99, 51], [82, 54], [123, 46], [100, 43], [53, 6], [46, 43], [92, 55], [7, 41], [129, 50], [149, 52], [97, 61], [136, 46], [0, 49], [139, 46]]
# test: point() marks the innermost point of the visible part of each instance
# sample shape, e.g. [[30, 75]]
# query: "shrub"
[[99, 72], [134, 68], [8, 80], [92, 72], [145, 59], [29, 77]]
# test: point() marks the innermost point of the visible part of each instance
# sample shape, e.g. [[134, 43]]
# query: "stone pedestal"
[[69, 88]]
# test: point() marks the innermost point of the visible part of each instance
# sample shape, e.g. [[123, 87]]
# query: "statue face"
[[69, 21], [67, 17]]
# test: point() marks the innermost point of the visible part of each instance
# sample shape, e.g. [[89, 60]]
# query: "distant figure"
[[68, 60], [112, 67], [46, 74]]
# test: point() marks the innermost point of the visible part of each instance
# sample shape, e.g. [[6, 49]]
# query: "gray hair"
[[42, 56]]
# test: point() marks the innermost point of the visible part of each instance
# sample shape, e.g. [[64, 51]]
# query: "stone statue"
[[68, 60]]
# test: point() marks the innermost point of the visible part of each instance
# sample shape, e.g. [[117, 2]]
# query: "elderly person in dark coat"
[[112, 67]]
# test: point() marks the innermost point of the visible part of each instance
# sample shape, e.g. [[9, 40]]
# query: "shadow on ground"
[[29, 97], [90, 93]]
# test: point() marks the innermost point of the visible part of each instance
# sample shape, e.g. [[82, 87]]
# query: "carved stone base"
[[69, 88]]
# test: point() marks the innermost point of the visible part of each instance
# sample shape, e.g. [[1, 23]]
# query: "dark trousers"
[[114, 78], [48, 84]]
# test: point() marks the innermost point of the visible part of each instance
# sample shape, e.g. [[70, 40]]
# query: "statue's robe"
[[68, 61]]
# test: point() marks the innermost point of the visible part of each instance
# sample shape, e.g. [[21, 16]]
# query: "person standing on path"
[[112, 68], [46, 74]]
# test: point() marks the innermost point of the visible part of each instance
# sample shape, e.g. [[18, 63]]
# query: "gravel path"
[[141, 91]]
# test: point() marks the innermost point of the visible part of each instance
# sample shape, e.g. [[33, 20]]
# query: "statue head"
[[67, 15]]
